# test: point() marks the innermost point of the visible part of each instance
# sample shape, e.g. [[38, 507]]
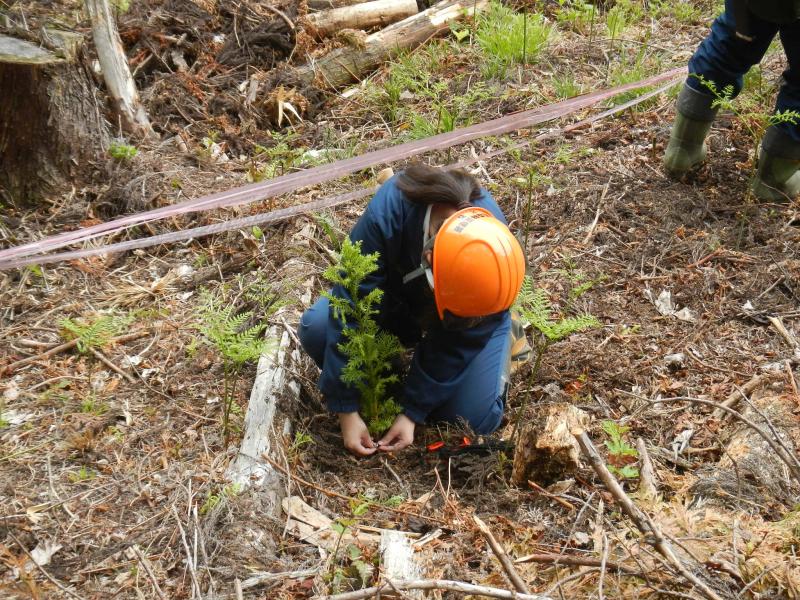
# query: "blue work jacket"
[[392, 226]]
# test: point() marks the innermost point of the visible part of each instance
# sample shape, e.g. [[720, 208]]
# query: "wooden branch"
[[574, 561], [736, 395], [787, 335], [791, 461], [64, 347], [500, 552], [647, 475], [116, 72], [248, 468], [378, 13], [435, 584], [345, 65], [652, 534]]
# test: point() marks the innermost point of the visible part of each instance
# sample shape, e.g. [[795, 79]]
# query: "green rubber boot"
[[687, 147], [778, 177]]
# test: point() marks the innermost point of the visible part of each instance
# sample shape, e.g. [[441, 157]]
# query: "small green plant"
[[565, 86], [276, 159], [748, 110], [83, 474], [507, 38], [369, 350], [577, 15], [215, 499], [226, 331], [330, 227], [620, 452], [3, 421], [122, 152], [94, 333], [90, 405], [300, 441]]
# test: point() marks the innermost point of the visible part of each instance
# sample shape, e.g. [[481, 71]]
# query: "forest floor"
[[113, 460]]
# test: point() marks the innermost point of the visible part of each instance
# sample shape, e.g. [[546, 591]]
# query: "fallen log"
[[346, 65], [367, 15], [50, 123], [119, 81]]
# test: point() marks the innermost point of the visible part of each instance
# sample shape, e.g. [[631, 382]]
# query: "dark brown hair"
[[422, 184]]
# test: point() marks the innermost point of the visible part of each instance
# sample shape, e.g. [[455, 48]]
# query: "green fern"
[[226, 331], [368, 349], [534, 306], [96, 333]]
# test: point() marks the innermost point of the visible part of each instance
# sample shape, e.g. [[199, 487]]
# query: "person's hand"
[[400, 435], [355, 434]]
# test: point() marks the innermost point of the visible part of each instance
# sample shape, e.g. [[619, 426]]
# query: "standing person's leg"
[[778, 177], [722, 59], [481, 394]]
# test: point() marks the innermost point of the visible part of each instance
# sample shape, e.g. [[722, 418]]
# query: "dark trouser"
[[724, 58], [482, 386]]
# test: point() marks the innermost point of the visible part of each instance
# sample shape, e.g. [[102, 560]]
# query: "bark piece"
[[309, 525], [117, 75], [50, 123], [546, 451], [345, 65], [378, 13]]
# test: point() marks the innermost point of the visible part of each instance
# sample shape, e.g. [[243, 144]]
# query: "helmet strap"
[[427, 244]]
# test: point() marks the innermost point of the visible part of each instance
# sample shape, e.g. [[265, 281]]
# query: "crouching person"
[[449, 269]]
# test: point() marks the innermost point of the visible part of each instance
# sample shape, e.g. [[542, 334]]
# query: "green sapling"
[[369, 350]]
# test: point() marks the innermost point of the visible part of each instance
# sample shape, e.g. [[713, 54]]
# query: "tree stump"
[[546, 451], [50, 118]]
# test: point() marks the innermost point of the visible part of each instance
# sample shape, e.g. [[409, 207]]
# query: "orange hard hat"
[[478, 265]]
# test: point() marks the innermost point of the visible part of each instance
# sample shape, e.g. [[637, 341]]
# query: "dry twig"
[[500, 552], [647, 476], [574, 561], [640, 519], [434, 584]]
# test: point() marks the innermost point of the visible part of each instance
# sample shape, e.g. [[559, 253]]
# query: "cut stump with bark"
[[50, 117], [546, 451]]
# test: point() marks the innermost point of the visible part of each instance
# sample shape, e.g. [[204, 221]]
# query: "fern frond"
[[97, 333]]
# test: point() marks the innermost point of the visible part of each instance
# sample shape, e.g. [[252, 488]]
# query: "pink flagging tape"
[[285, 213], [188, 234], [11, 257]]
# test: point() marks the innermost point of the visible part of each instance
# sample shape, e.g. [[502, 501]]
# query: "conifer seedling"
[[369, 350]]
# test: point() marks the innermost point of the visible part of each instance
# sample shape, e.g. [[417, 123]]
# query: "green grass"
[[577, 15], [565, 86], [507, 38]]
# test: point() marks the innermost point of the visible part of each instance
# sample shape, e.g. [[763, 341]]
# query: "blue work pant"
[[482, 388], [724, 58]]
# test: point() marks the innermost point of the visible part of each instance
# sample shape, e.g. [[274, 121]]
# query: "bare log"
[[116, 74], [50, 122], [345, 65], [546, 450], [378, 13]]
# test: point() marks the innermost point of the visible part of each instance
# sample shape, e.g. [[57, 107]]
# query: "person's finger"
[[360, 450], [389, 436]]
